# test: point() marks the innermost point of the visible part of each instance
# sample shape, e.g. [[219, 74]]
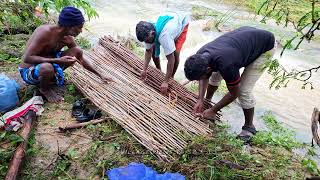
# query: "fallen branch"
[[81, 125], [19, 154]]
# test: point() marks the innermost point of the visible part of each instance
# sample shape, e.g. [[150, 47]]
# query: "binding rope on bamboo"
[[162, 124]]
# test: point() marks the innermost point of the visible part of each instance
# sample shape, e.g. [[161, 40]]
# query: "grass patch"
[[223, 88], [219, 21], [201, 12], [83, 42], [133, 45], [9, 141], [193, 87], [221, 156], [297, 7], [277, 135]]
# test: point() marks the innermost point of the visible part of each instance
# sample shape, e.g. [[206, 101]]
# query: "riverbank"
[[88, 152], [92, 150]]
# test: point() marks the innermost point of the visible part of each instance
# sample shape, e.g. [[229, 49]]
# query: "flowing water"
[[292, 105]]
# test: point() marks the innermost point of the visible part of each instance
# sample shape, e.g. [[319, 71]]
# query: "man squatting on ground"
[[44, 62]]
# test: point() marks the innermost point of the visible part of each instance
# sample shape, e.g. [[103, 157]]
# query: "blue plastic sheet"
[[8, 93], [138, 171]]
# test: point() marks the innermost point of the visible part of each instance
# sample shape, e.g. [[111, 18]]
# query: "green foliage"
[[58, 5], [304, 16], [282, 77], [71, 88], [311, 166], [277, 135], [62, 165], [19, 16], [11, 140], [11, 47], [200, 12], [220, 20], [83, 42], [193, 86], [226, 159], [71, 94], [133, 45]]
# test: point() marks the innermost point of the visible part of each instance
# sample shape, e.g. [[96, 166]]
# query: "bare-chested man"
[[44, 60]]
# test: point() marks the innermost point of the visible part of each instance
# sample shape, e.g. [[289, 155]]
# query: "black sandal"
[[78, 108], [89, 114], [247, 138]]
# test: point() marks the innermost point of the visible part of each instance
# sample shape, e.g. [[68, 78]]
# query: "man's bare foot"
[[51, 96]]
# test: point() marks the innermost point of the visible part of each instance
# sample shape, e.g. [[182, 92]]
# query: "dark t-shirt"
[[237, 49]]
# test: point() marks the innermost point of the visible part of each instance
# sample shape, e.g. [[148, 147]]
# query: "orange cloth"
[[182, 38]]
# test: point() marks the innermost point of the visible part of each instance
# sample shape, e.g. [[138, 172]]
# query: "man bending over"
[[170, 32], [222, 58]]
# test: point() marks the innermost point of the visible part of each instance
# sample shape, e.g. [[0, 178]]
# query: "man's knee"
[[75, 51], [46, 69], [177, 54], [246, 99], [215, 79], [177, 59]]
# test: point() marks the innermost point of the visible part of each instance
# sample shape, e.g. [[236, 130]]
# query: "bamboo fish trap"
[[162, 124]]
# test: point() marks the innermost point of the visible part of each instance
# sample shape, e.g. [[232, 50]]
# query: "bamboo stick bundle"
[[163, 125], [154, 76]]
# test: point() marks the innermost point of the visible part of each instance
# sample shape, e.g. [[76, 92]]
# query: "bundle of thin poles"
[[154, 76], [162, 124]]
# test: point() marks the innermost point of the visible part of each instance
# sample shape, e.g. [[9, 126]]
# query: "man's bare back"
[[45, 41]]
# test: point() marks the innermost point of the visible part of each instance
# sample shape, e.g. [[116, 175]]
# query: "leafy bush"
[[19, 16]]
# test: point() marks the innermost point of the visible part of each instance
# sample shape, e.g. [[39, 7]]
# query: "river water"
[[292, 105]]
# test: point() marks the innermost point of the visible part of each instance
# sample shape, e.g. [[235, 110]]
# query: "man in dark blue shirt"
[[222, 58]]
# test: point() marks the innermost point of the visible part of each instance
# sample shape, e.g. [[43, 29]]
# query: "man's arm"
[[89, 66], [170, 66], [147, 59], [69, 41], [231, 75], [228, 98], [34, 48], [203, 85]]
